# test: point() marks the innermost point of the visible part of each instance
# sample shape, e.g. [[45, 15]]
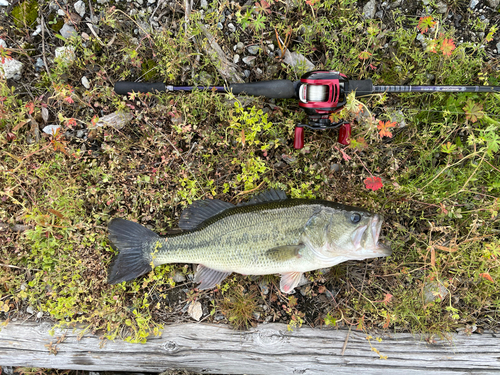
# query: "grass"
[[440, 171]]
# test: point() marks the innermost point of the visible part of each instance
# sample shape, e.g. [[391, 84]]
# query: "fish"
[[269, 234]]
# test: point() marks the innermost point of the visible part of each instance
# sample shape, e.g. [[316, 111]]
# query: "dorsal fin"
[[266, 196], [199, 211]]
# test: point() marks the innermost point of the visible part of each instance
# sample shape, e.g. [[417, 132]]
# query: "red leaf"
[[447, 47], [31, 107], [424, 23], [373, 183], [487, 276], [383, 128], [387, 298]]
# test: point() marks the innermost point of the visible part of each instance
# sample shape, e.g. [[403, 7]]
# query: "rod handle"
[[124, 87], [278, 89]]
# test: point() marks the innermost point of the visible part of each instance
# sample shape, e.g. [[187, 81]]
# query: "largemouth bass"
[[270, 234]]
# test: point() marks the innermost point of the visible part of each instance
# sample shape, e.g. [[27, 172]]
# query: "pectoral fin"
[[289, 281], [208, 277], [283, 253]]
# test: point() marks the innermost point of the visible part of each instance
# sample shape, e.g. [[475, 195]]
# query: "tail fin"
[[133, 241]]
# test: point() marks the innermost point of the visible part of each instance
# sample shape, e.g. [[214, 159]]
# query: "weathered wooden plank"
[[268, 349]]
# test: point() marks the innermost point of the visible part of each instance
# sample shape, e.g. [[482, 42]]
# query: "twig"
[[20, 268], [345, 342]]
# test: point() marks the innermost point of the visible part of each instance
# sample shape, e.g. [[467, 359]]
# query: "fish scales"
[[239, 240]]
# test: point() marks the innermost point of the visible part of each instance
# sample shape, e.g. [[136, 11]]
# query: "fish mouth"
[[375, 229]]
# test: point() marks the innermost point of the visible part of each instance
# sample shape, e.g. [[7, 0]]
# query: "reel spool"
[[322, 93]]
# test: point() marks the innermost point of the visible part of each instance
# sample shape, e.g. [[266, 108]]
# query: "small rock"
[[270, 47], [434, 290], [219, 317], [253, 50], [295, 60], [441, 7], [37, 31], [80, 133], [256, 315], [30, 310], [220, 26], [195, 310], [116, 120], [264, 288], [61, 13], [493, 3], [246, 72], [80, 8], [3, 44], [249, 60], [379, 14], [335, 167], [239, 47], [51, 129], [39, 315], [498, 48], [369, 9], [473, 3], [236, 59], [39, 64], [231, 27], [85, 82], [67, 31], [11, 68], [179, 277], [66, 54], [6, 370], [204, 4]]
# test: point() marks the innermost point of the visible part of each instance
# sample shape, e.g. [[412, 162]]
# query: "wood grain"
[[268, 349]]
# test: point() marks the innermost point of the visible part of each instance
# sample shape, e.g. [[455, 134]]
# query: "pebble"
[[236, 59], [85, 82], [263, 285], [67, 31], [498, 48], [231, 27], [253, 50], [434, 290], [369, 9], [3, 44], [441, 7], [39, 64], [204, 4], [249, 60], [195, 310], [179, 277], [51, 129], [4, 3], [473, 3], [65, 53], [80, 133], [335, 167], [11, 69], [39, 315], [246, 72], [220, 26], [80, 8], [30, 310], [239, 47], [61, 12]]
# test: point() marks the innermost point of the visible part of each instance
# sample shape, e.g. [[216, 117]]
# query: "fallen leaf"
[[373, 183], [387, 298], [487, 276]]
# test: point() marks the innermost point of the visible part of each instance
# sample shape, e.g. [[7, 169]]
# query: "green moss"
[[25, 13], [149, 69]]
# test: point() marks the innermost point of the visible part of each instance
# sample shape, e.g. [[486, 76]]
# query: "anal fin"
[[289, 281], [208, 277]]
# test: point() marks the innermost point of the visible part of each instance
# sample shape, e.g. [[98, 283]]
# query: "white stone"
[[4, 3], [195, 310], [11, 68], [3, 44], [66, 53], [67, 31], [51, 129], [85, 82], [80, 8], [369, 9]]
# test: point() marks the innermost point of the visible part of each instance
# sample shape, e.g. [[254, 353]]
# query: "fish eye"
[[355, 218]]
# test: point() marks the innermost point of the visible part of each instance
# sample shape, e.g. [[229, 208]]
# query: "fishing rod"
[[320, 93]]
